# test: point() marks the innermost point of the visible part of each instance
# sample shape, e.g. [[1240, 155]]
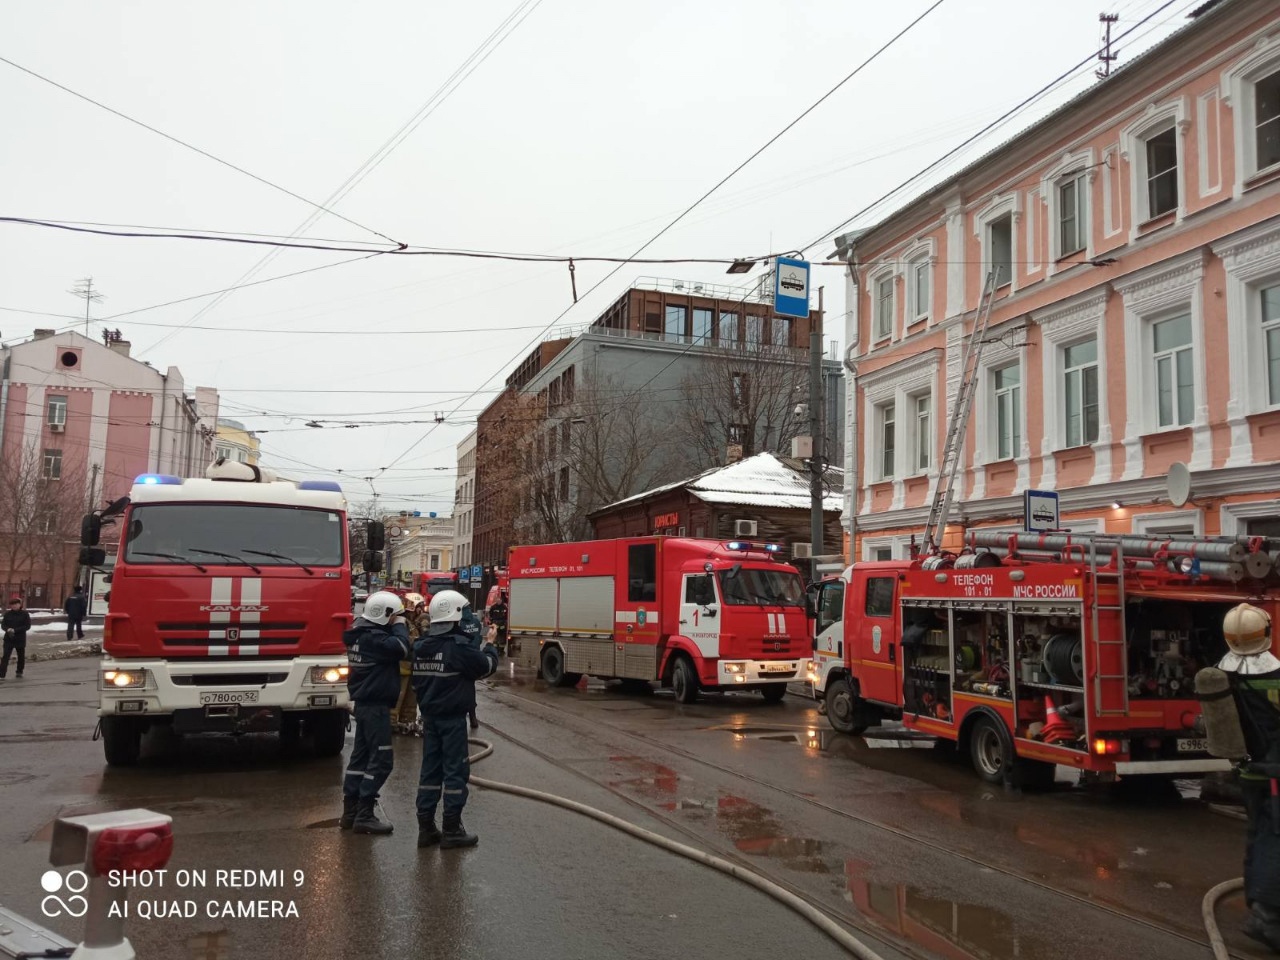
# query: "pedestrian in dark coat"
[[15, 623], [76, 607]]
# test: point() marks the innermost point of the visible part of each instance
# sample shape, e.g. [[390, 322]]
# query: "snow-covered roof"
[[763, 480]]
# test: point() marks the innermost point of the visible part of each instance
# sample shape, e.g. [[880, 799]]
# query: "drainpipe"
[[851, 443], [164, 399], [4, 394]]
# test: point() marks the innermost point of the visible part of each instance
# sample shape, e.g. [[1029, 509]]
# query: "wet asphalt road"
[[898, 841]]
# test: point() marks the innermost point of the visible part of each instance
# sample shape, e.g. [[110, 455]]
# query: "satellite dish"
[[1178, 484]]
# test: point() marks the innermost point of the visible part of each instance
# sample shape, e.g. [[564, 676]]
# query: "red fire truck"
[[227, 604], [692, 614], [431, 583], [1032, 650]]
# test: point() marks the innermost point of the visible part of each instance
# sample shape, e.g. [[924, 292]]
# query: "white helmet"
[[382, 606], [446, 607]]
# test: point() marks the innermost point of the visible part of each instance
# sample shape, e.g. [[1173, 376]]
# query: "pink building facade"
[[79, 420], [1135, 239]]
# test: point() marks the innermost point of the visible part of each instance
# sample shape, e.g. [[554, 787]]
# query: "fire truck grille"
[[202, 629], [772, 649], [231, 680]]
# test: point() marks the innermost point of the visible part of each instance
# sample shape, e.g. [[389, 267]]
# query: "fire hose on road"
[[815, 916]]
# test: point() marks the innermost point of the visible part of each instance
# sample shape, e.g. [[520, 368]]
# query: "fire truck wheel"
[[684, 680], [774, 692], [553, 670], [121, 740], [328, 730], [844, 708], [990, 750]]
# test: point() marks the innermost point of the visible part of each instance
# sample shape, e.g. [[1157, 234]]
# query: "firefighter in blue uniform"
[[376, 643], [447, 662]]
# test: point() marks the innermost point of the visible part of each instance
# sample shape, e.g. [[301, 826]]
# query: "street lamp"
[[741, 266]]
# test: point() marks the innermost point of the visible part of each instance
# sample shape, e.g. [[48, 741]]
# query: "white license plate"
[[1193, 745], [777, 668], [229, 696]]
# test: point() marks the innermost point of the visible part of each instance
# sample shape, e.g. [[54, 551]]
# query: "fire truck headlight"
[[329, 674], [123, 679], [811, 671], [735, 667]]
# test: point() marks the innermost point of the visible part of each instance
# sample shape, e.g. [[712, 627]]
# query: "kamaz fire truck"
[[227, 604], [1032, 650], [691, 614]]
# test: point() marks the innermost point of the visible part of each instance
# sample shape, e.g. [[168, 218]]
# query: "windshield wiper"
[[169, 556], [281, 556], [226, 556]]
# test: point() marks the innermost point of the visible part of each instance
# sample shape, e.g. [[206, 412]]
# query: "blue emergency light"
[[331, 485], [152, 479], [748, 545]]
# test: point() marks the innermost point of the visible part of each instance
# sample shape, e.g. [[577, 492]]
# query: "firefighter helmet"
[[382, 606], [1247, 630], [414, 600], [446, 606]]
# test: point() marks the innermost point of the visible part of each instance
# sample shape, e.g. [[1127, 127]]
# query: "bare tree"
[[41, 502], [744, 395]]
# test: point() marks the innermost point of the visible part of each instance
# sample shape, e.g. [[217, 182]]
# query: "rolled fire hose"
[[1210, 923], [815, 916]]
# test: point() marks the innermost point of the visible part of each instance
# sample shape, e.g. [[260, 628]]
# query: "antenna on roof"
[[1106, 55]]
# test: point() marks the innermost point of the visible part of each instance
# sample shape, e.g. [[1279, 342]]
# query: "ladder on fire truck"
[[951, 467], [1109, 653]]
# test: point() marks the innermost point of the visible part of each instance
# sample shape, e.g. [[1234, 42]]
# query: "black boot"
[[1263, 925], [428, 832], [348, 818], [367, 821], [455, 834]]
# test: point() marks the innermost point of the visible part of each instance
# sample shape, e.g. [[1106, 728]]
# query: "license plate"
[[777, 668], [1193, 745], [229, 696]]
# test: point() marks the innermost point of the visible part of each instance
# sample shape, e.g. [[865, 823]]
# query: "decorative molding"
[[1080, 163], [957, 278], [1206, 110], [1160, 522], [1230, 514], [1156, 117], [1236, 87], [893, 385]]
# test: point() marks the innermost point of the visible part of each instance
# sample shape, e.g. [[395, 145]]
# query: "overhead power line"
[[691, 207], [190, 146]]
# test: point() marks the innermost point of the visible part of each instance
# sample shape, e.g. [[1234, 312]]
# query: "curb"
[[87, 650]]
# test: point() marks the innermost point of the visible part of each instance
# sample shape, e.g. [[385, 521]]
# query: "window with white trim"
[[52, 464], [1174, 371], [1161, 151], [1000, 245], [1270, 315], [1006, 386], [1073, 194], [881, 554], [57, 411], [887, 414], [922, 430], [884, 308], [1080, 391], [1266, 121], [919, 290]]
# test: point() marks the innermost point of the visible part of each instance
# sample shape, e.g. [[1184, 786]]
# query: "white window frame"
[[900, 546], [1237, 91], [921, 256], [886, 415], [1133, 139], [1096, 366], [998, 354], [1017, 428], [919, 431], [875, 281], [1010, 205], [891, 384], [61, 402], [1082, 167], [1163, 290], [52, 463], [1064, 324], [1159, 523], [1233, 515], [1171, 357]]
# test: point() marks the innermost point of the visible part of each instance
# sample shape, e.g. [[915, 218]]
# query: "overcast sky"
[[586, 130]]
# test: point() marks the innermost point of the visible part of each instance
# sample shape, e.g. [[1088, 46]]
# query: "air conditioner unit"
[[744, 528], [802, 448], [57, 427], [801, 551]]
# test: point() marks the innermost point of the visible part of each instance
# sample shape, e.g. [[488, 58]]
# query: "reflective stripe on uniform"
[[429, 788], [355, 773], [385, 747]]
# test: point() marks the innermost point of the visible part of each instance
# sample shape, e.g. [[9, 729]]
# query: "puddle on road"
[[974, 932], [818, 738]]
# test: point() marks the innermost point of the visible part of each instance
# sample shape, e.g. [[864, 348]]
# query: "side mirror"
[[90, 530], [372, 561], [376, 536], [92, 556]]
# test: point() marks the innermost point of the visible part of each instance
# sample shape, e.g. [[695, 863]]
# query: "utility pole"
[[816, 489], [85, 291], [1107, 55]]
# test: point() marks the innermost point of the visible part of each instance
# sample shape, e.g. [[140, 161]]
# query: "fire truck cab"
[[691, 614], [227, 604], [1029, 658]]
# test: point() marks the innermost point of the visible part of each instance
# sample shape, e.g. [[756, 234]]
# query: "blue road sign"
[[477, 572], [464, 575], [791, 287], [1040, 510]]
